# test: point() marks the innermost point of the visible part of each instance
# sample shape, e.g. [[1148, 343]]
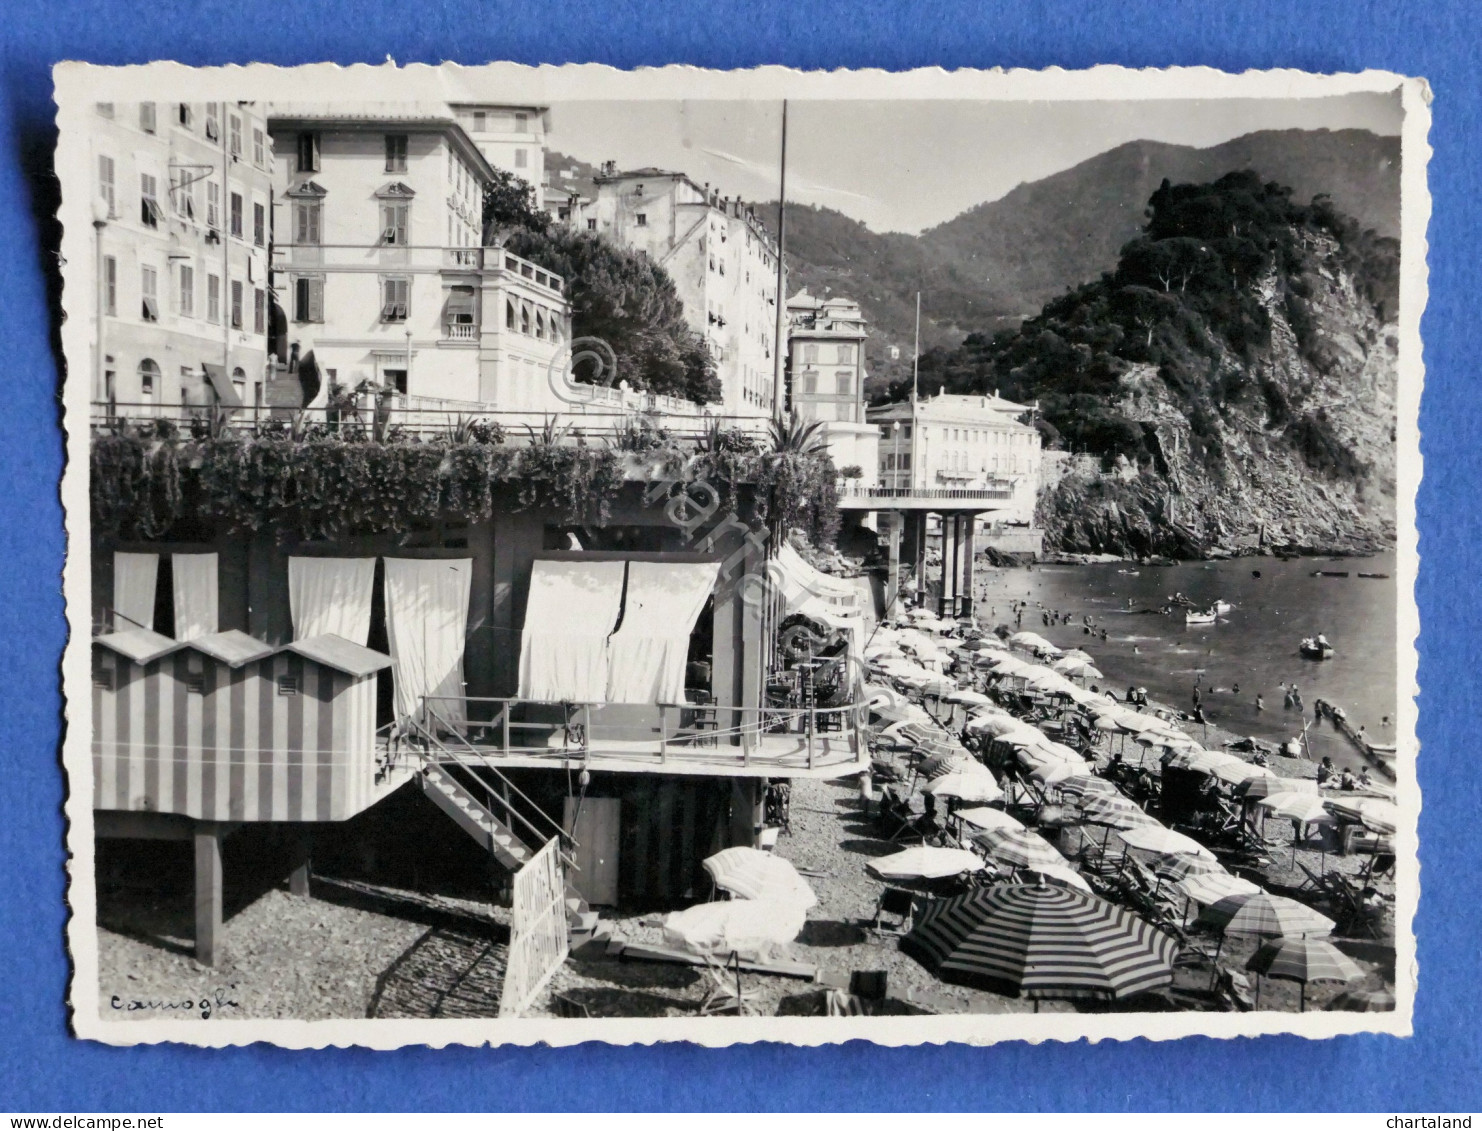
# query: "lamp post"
[[100, 221]]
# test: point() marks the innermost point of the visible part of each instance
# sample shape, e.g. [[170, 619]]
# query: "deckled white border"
[[79, 86]]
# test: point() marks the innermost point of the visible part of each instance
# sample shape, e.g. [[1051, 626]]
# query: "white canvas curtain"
[[427, 625], [134, 579], [647, 654], [195, 595], [331, 595], [573, 607]]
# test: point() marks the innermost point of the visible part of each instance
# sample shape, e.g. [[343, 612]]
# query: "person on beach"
[[1260, 702], [1325, 771], [1197, 697], [1364, 780], [1347, 780]]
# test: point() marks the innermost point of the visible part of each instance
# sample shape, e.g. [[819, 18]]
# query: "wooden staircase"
[[473, 816]]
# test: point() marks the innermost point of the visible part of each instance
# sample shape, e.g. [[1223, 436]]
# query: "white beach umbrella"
[[925, 863], [1156, 838], [985, 818], [752, 929], [968, 697], [966, 785]]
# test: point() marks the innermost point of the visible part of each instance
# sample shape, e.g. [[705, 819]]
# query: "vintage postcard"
[[563, 554]]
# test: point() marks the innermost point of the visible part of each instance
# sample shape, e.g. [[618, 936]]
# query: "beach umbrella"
[[1078, 654], [1255, 788], [1155, 838], [1379, 816], [991, 723], [1303, 960], [1235, 773], [1059, 773], [753, 874], [1363, 1001], [1211, 887], [966, 785], [1178, 866], [1041, 941], [1060, 874], [1090, 671], [968, 697], [1093, 701], [985, 818], [1069, 665], [1264, 915], [751, 929], [1115, 812], [1295, 806], [924, 863], [940, 765], [1019, 847], [1084, 785]]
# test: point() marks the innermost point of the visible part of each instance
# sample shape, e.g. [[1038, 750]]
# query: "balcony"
[[926, 498], [460, 332]]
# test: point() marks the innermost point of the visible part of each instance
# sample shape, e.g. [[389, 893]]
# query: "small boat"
[[1312, 650], [1192, 617], [1330, 573], [1223, 607], [1379, 576]]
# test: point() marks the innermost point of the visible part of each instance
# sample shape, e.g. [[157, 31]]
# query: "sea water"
[[1251, 650]]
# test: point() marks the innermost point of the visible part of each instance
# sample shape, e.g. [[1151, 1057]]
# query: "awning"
[[802, 583], [226, 394], [647, 654], [571, 610]]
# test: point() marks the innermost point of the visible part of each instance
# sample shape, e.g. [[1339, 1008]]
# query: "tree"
[[624, 299], [509, 202]]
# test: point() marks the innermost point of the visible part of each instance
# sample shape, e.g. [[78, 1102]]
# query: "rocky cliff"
[[1308, 465]]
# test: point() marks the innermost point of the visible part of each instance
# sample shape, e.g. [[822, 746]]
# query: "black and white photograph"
[[563, 554]]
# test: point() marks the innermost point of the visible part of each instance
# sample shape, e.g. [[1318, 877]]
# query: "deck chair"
[[1233, 990], [569, 1007], [897, 902], [724, 992], [841, 1003]]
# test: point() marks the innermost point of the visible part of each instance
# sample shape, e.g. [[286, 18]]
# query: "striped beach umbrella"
[[1019, 847], [1363, 1001], [983, 817], [1253, 789], [1264, 915], [1211, 887], [1304, 960], [1041, 941], [1295, 806], [1083, 785], [1234, 773], [1155, 838], [1061, 773], [1175, 866], [753, 874], [940, 765], [1115, 812]]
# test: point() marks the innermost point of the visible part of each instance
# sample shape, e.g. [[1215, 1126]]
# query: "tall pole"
[[916, 353], [224, 218], [779, 410]]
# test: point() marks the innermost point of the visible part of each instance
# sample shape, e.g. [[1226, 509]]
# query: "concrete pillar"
[[208, 890], [969, 563], [893, 574], [921, 517]]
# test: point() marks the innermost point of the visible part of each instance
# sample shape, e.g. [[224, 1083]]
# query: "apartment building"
[[960, 442], [511, 138], [176, 292], [723, 263], [378, 257], [826, 375]]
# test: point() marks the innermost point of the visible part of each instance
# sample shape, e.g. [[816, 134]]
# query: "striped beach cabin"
[[227, 728]]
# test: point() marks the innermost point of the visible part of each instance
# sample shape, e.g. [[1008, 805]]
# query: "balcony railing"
[[330, 257], [993, 491], [461, 332]]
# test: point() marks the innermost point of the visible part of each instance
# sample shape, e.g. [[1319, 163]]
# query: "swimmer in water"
[[1235, 690], [1260, 703]]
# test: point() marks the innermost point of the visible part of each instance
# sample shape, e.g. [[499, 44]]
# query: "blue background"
[[42, 1068]]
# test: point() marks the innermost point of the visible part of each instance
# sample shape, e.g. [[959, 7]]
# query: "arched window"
[[239, 382], [149, 379], [509, 315]]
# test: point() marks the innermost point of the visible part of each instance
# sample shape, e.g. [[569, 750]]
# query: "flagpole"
[[779, 391], [916, 353]]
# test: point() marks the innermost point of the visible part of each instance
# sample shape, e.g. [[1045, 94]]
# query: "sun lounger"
[[897, 902], [724, 993]]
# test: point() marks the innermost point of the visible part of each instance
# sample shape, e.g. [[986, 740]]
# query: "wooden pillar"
[[303, 855], [208, 890]]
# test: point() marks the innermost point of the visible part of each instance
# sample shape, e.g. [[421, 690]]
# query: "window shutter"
[[316, 300]]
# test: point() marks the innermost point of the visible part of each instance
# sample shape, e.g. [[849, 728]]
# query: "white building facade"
[[723, 263], [176, 292], [378, 261], [826, 376], [511, 138], [960, 442]]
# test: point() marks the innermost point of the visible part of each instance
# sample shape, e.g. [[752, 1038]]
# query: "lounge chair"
[[897, 902], [569, 1007], [841, 1003], [724, 994]]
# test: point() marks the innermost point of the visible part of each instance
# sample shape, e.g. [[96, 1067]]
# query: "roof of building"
[[141, 645], [232, 647], [953, 407], [344, 655], [409, 116]]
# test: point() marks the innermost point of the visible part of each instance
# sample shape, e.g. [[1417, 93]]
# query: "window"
[[460, 306], [149, 372], [149, 205], [394, 222], [235, 214], [259, 149], [234, 134], [642, 221], [591, 225], [259, 223], [213, 298], [908, 431], [396, 153], [395, 298], [105, 184], [905, 461], [522, 158], [509, 315], [524, 319], [213, 126], [540, 324], [185, 114], [810, 383], [308, 153], [149, 282], [308, 299], [478, 121], [213, 206], [846, 354], [146, 117], [522, 122], [306, 217], [180, 195], [396, 378], [845, 384], [239, 383], [236, 304], [259, 311], [187, 379], [185, 303], [810, 353]]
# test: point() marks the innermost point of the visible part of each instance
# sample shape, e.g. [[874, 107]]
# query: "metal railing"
[[330, 257], [995, 491], [675, 734], [610, 413]]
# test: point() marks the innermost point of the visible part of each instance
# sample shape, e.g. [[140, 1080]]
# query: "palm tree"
[[795, 436]]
